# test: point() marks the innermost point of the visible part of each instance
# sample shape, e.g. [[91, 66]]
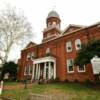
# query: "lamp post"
[[25, 82]]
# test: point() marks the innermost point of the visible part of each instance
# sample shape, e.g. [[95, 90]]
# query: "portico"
[[45, 68]]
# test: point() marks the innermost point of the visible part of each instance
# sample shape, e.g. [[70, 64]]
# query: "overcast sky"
[[81, 12]]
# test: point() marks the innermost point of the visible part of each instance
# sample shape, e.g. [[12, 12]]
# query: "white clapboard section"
[[95, 61]]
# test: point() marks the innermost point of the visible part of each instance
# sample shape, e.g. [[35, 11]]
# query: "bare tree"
[[14, 28]]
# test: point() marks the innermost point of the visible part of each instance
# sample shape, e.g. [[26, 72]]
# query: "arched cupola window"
[[49, 24], [54, 23]]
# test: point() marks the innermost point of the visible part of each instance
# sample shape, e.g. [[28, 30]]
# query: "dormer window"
[[78, 44]]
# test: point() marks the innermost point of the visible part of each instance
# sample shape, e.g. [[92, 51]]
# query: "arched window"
[[49, 24], [47, 50], [54, 23], [78, 44]]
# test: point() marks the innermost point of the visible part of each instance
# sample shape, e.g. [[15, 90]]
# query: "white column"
[[44, 72], [33, 73], [49, 71], [54, 70], [38, 71]]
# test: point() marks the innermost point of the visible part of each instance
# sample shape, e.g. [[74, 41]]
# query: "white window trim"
[[77, 41], [69, 42], [28, 71], [25, 71], [81, 70], [30, 56], [68, 67]]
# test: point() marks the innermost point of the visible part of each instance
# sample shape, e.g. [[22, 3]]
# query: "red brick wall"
[[58, 50]]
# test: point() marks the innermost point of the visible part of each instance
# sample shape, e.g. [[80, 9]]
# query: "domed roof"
[[53, 14]]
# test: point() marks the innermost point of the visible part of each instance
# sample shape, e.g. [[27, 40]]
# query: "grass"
[[72, 90]]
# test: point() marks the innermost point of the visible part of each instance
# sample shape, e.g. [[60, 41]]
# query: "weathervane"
[[53, 8]]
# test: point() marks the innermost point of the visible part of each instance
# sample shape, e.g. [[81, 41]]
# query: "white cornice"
[[62, 35]]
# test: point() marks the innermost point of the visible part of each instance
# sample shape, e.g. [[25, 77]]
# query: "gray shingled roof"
[[53, 14]]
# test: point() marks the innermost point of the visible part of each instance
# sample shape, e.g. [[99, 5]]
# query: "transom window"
[[70, 65], [78, 44], [81, 68], [69, 46]]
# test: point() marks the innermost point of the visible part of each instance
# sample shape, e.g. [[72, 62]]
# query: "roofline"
[[73, 25], [98, 23]]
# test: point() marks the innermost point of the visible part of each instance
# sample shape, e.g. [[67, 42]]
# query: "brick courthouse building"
[[54, 57]]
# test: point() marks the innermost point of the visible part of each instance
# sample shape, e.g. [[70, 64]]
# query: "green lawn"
[[72, 90]]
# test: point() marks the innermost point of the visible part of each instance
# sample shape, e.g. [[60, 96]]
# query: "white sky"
[[81, 12]]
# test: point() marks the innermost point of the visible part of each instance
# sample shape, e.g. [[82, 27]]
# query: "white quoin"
[[95, 61], [1, 87]]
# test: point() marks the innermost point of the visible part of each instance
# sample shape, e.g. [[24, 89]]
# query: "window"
[[49, 24], [54, 23], [81, 68], [58, 25], [28, 70], [78, 44], [30, 56], [70, 65], [47, 50], [69, 46]]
